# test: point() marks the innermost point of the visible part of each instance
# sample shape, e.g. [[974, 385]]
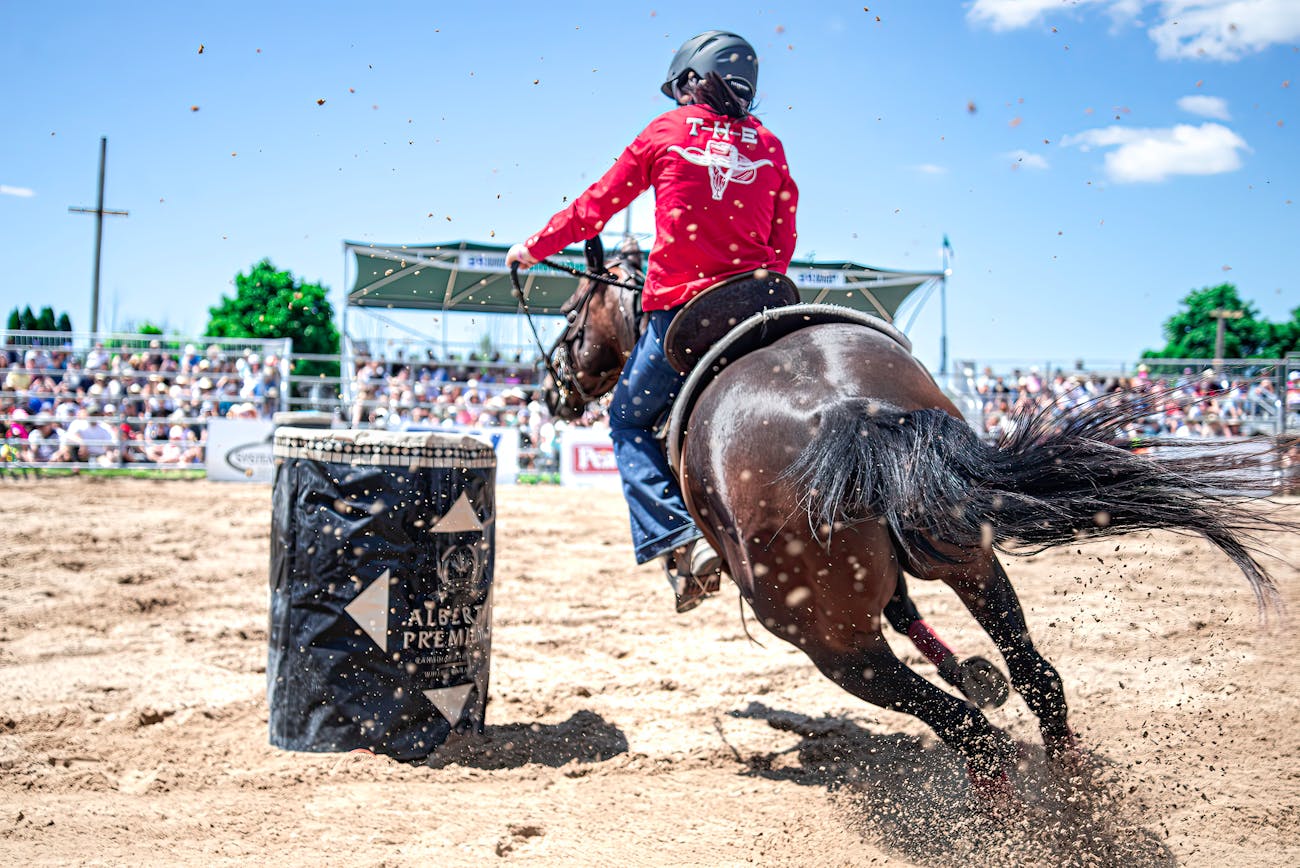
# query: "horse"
[[827, 464]]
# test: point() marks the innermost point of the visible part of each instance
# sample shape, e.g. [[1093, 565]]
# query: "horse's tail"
[[1050, 482]]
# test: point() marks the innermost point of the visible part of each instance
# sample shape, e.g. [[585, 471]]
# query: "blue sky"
[[1091, 161]]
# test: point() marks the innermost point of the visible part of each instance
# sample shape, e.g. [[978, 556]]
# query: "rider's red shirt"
[[724, 202]]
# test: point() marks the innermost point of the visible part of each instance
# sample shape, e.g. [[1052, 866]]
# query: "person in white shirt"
[[91, 439]]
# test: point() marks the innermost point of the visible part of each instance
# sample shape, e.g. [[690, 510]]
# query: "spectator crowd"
[[483, 391], [1194, 404], [113, 405]]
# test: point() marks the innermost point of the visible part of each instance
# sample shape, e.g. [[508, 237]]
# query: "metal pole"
[[99, 212], [943, 314], [99, 237], [1220, 314], [345, 349], [1218, 343]]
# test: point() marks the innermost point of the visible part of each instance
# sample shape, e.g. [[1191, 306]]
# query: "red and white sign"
[[587, 458]]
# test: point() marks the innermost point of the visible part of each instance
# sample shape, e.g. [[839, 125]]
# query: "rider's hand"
[[519, 253]]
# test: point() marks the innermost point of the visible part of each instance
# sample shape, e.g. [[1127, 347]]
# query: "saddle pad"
[[707, 318], [760, 330]]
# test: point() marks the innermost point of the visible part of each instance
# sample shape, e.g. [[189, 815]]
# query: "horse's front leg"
[[986, 591]]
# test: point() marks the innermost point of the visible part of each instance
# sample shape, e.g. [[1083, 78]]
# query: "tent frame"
[[477, 281]]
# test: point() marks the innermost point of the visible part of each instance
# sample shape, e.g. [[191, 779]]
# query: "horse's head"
[[603, 326]]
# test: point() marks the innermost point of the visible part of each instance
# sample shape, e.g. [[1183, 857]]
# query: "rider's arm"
[[628, 178], [784, 233]]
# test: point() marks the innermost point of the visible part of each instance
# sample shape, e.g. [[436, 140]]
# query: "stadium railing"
[[1234, 398], [155, 393], [1248, 396]]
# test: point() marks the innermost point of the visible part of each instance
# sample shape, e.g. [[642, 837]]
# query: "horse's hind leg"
[[988, 594]]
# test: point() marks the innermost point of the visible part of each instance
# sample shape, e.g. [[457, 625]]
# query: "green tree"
[[1191, 333], [15, 321], [45, 321], [27, 319], [1284, 337], [65, 322], [269, 303]]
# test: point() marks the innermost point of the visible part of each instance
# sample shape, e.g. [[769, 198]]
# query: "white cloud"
[[1205, 106], [1224, 29], [22, 192], [1014, 14], [1157, 154], [1198, 29], [931, 169], [1021, 159]]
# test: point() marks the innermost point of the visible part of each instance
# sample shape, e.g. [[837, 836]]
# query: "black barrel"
[[381, 589]]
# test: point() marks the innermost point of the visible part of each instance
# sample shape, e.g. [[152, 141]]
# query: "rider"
[[724, 206]]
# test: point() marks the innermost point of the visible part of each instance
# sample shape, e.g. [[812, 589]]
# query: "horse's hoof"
[[983, 683], [994, 794], [1068, 758]]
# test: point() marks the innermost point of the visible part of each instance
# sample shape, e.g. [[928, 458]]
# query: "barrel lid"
[[392, 448]]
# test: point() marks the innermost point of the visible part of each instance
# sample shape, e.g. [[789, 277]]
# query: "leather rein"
[[557, 361]]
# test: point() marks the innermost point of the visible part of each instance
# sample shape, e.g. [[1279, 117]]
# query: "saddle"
[[757, 331], [707, 318]]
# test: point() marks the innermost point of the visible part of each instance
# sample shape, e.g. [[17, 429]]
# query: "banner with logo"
[[239, 450], [587, 458], [504, 442], [818, 278]]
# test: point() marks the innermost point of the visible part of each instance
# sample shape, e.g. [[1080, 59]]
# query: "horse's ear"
[[595, 249], [630, 251]]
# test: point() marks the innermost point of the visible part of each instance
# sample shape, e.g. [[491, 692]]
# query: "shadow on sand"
[[585, 737], [914, 799]]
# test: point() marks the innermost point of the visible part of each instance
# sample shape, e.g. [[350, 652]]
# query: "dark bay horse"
[[825, 465]]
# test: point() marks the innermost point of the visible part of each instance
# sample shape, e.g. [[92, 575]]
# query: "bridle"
[[557, 360]]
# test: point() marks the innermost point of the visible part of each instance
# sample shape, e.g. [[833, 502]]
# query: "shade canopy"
[[471, 277]]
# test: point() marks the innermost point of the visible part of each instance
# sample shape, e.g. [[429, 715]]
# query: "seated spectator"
[[180, 447], [189, 361], [97, 358], [43, 442], [18, 428], [245, 410], [90, 439], [17, 379]]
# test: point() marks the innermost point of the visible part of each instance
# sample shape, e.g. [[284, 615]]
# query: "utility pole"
[[943, 309], [1220, 314], [99, 213]]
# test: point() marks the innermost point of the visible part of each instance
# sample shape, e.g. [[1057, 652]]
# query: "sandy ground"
[[133, 712]]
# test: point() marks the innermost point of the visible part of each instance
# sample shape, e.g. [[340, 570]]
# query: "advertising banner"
[[504, 442], [239, 450], [587, 458]]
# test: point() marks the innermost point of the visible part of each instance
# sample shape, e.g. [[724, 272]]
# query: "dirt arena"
[[133, 716]]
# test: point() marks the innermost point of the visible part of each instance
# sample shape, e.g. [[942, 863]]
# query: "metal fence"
[[1184, 397], [72, 399], [155, 394]]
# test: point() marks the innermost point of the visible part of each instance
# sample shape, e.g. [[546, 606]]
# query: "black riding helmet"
[[720, 51]]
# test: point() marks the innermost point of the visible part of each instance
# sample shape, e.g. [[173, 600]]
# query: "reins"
[[603, 278], [562, 383]]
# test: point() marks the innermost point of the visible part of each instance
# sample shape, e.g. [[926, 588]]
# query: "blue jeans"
[[645, 389]]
